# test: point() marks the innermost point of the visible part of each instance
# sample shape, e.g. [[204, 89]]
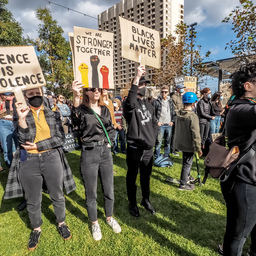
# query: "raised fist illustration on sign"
[[105, 71], [83, 68], [95, 76]]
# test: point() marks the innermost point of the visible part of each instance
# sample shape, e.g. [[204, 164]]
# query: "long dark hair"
[[216, 99]]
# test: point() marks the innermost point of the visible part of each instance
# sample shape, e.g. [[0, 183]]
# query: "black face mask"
[[142, 91], [36, 101]]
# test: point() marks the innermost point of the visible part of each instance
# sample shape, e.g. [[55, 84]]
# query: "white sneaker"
[[114, 225], [96, 232]]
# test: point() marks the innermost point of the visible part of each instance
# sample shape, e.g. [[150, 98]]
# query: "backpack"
[[163, 161]]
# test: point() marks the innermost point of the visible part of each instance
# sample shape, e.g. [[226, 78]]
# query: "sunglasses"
[[164, 91], [61, 98], [93, 89]]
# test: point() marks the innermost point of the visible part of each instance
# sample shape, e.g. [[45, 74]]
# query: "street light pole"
[[191, 36]]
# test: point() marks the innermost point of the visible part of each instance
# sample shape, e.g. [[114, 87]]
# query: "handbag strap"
[[102, 126]]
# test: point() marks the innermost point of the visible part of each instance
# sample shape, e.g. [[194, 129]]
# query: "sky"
[[211, 33]]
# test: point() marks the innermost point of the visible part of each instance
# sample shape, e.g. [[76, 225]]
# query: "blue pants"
[[121, 135], [241, 219], [8, 139], [215, 125], [164, 131]]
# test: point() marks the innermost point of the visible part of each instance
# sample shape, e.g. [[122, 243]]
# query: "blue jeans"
[[164, 131], [121, 135], [241, 219], [8, 139], [215, 124]]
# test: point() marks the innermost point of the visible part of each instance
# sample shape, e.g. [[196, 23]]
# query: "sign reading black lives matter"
[[93, 57], [140, 44], [19, 68]]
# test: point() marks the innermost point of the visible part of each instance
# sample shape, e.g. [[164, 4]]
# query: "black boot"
[[134, 211], [148, 206]]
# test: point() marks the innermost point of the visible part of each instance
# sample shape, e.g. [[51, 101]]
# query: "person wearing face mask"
[[205, 114], [65, 113], [141, 137], [218, 110], [39, 158]]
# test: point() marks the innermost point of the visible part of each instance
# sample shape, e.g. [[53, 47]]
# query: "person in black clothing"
[[141, 136], [205, 114], [96, 159], [239, 190]]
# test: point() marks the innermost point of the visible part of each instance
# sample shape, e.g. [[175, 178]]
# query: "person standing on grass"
[[239, 190], [39, 158], [165, 115], [218, 110], [141, 137], [97, 133], [65, 113], [187, 138]]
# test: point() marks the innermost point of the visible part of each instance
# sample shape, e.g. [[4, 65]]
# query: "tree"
[[10, 29], [243, 20], [54, 54], [176, 56]]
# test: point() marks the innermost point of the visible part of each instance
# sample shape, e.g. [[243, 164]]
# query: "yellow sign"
[[19, 68], [190, 84], [92, 53], [140, 44]]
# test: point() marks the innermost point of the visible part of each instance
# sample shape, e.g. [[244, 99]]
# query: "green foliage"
[[243, 20], [54, 54], [10, 29], [176, 54], [187, 223]]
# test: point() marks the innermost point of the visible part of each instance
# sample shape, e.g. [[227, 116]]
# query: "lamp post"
[[191, 36]]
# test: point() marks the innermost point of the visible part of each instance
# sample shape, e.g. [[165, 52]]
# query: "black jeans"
[[204, 132], [240, 200], [98, 160], [138, 159], [186, 167], [46, 166]]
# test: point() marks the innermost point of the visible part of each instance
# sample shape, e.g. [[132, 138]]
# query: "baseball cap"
[[180, 86], [143, 80]]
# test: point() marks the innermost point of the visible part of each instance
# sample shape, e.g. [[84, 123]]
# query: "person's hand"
[[213, 117], [119, 127], [76, 88], [171, 124], [22, 110], [160, 124], [29, 146], [140, 71], [200, 153]]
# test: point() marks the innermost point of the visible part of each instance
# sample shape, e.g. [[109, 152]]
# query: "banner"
[[19, 68], [190, 84], [226, 92], [93, 57], [140, 44]]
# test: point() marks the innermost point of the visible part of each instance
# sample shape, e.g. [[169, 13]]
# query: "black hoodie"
[[142, 123]]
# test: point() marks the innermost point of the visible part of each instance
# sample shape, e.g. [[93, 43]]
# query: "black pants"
[[240, 200], [138, 159], [186, 167], [204, 132], [46, 166], [98, 161]]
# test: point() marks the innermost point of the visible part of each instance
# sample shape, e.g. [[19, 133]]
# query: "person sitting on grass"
[[187, 138], [39, 158]]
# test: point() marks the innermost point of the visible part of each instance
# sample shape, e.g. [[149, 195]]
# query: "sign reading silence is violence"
[[20, 70], [140, 44], [92, 55]]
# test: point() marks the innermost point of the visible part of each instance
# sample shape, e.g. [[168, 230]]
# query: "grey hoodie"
[[187, 132]]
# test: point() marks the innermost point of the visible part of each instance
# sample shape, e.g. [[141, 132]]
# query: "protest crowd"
[[32, 139]]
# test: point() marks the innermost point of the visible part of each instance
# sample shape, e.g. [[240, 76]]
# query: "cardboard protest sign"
[[71, 41], [226, 92], [215, 136], [93, 57], [71, 142], [19, 69], [140, 44], [190, 84]]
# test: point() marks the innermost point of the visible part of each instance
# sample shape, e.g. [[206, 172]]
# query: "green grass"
[[187, 223]]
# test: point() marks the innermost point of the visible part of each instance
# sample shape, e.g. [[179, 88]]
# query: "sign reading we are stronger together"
[[92, 53], [140, 44], [19, 68]]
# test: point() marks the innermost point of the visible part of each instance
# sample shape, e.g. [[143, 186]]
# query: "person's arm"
[[67, 110], [195, 131]]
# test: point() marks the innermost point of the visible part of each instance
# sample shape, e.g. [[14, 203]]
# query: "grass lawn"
[[187, 223]]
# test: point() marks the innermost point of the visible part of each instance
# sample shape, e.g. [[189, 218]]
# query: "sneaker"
[[64, 231], [175, 154], [186, 187], [96, 232], [33, 240], [114, 225]]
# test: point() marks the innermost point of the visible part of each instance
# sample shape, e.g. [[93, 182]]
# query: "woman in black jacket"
[[91, 117], [239, 190], [205, 114]]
